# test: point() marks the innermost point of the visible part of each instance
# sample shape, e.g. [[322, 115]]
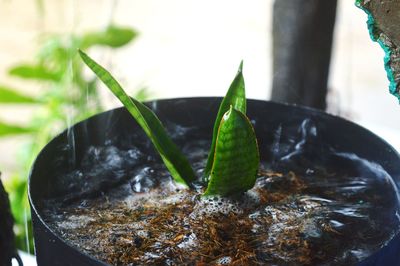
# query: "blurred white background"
[[193, 48]]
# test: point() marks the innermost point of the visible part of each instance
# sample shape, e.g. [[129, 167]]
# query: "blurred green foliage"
[[66, 96]]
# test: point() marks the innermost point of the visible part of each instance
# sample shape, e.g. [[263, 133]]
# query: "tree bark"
[[302, 43]]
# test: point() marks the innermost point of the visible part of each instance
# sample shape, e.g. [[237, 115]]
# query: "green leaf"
[[142, 94], [174, 160], [38, 72], [9, 129], [236, 96], [236, 157], [11, 96], [113, 36]]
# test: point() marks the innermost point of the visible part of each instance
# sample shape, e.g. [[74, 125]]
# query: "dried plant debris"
[[310, 205], [286, 219], [179, 227], [383, 21]]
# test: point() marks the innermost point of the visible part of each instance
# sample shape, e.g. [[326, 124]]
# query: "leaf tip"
[[81, 53], [240, 66]]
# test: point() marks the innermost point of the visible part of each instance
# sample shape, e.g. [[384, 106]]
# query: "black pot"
[[336, 132]]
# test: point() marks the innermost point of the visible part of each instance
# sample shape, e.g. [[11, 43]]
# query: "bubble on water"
[[101, 169], [136, 226], [188, 241], [75, 221], [133, 200], [311, 229], [168, 184], [250, 199], [72, 180], [313, 201], [360, 253], [307, 133], [143, 181], [256, 228], [109, 156], [352, 211], [255, 215], [336, 224], [224, 260], [173, 199], [143, 233], [210, 206], [216, 205], [134, 154], [310, 171], [150, 255], [158, 244], [177, 131]]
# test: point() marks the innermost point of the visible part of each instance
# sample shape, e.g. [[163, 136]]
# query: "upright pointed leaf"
[[236, 96], [236, 157], [12, 96], [174, 160]]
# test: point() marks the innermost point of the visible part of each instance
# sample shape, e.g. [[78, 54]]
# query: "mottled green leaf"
[[12, 96], [38, 72], [236, 157], [236, 96], [113, 36], [174, 160], [9, 129]]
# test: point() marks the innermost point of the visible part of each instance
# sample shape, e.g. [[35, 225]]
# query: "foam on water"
[[215, 205], [188, 242], [75, 221], [224, 260]]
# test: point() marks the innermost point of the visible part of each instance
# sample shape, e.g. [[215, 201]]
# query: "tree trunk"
[[302, 42]]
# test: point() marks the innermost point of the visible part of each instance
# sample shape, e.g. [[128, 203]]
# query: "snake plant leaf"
[[12, 96], [12, 130], [113, 36], [236, 157], [236, 96], [175, 161], [38, 72]]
